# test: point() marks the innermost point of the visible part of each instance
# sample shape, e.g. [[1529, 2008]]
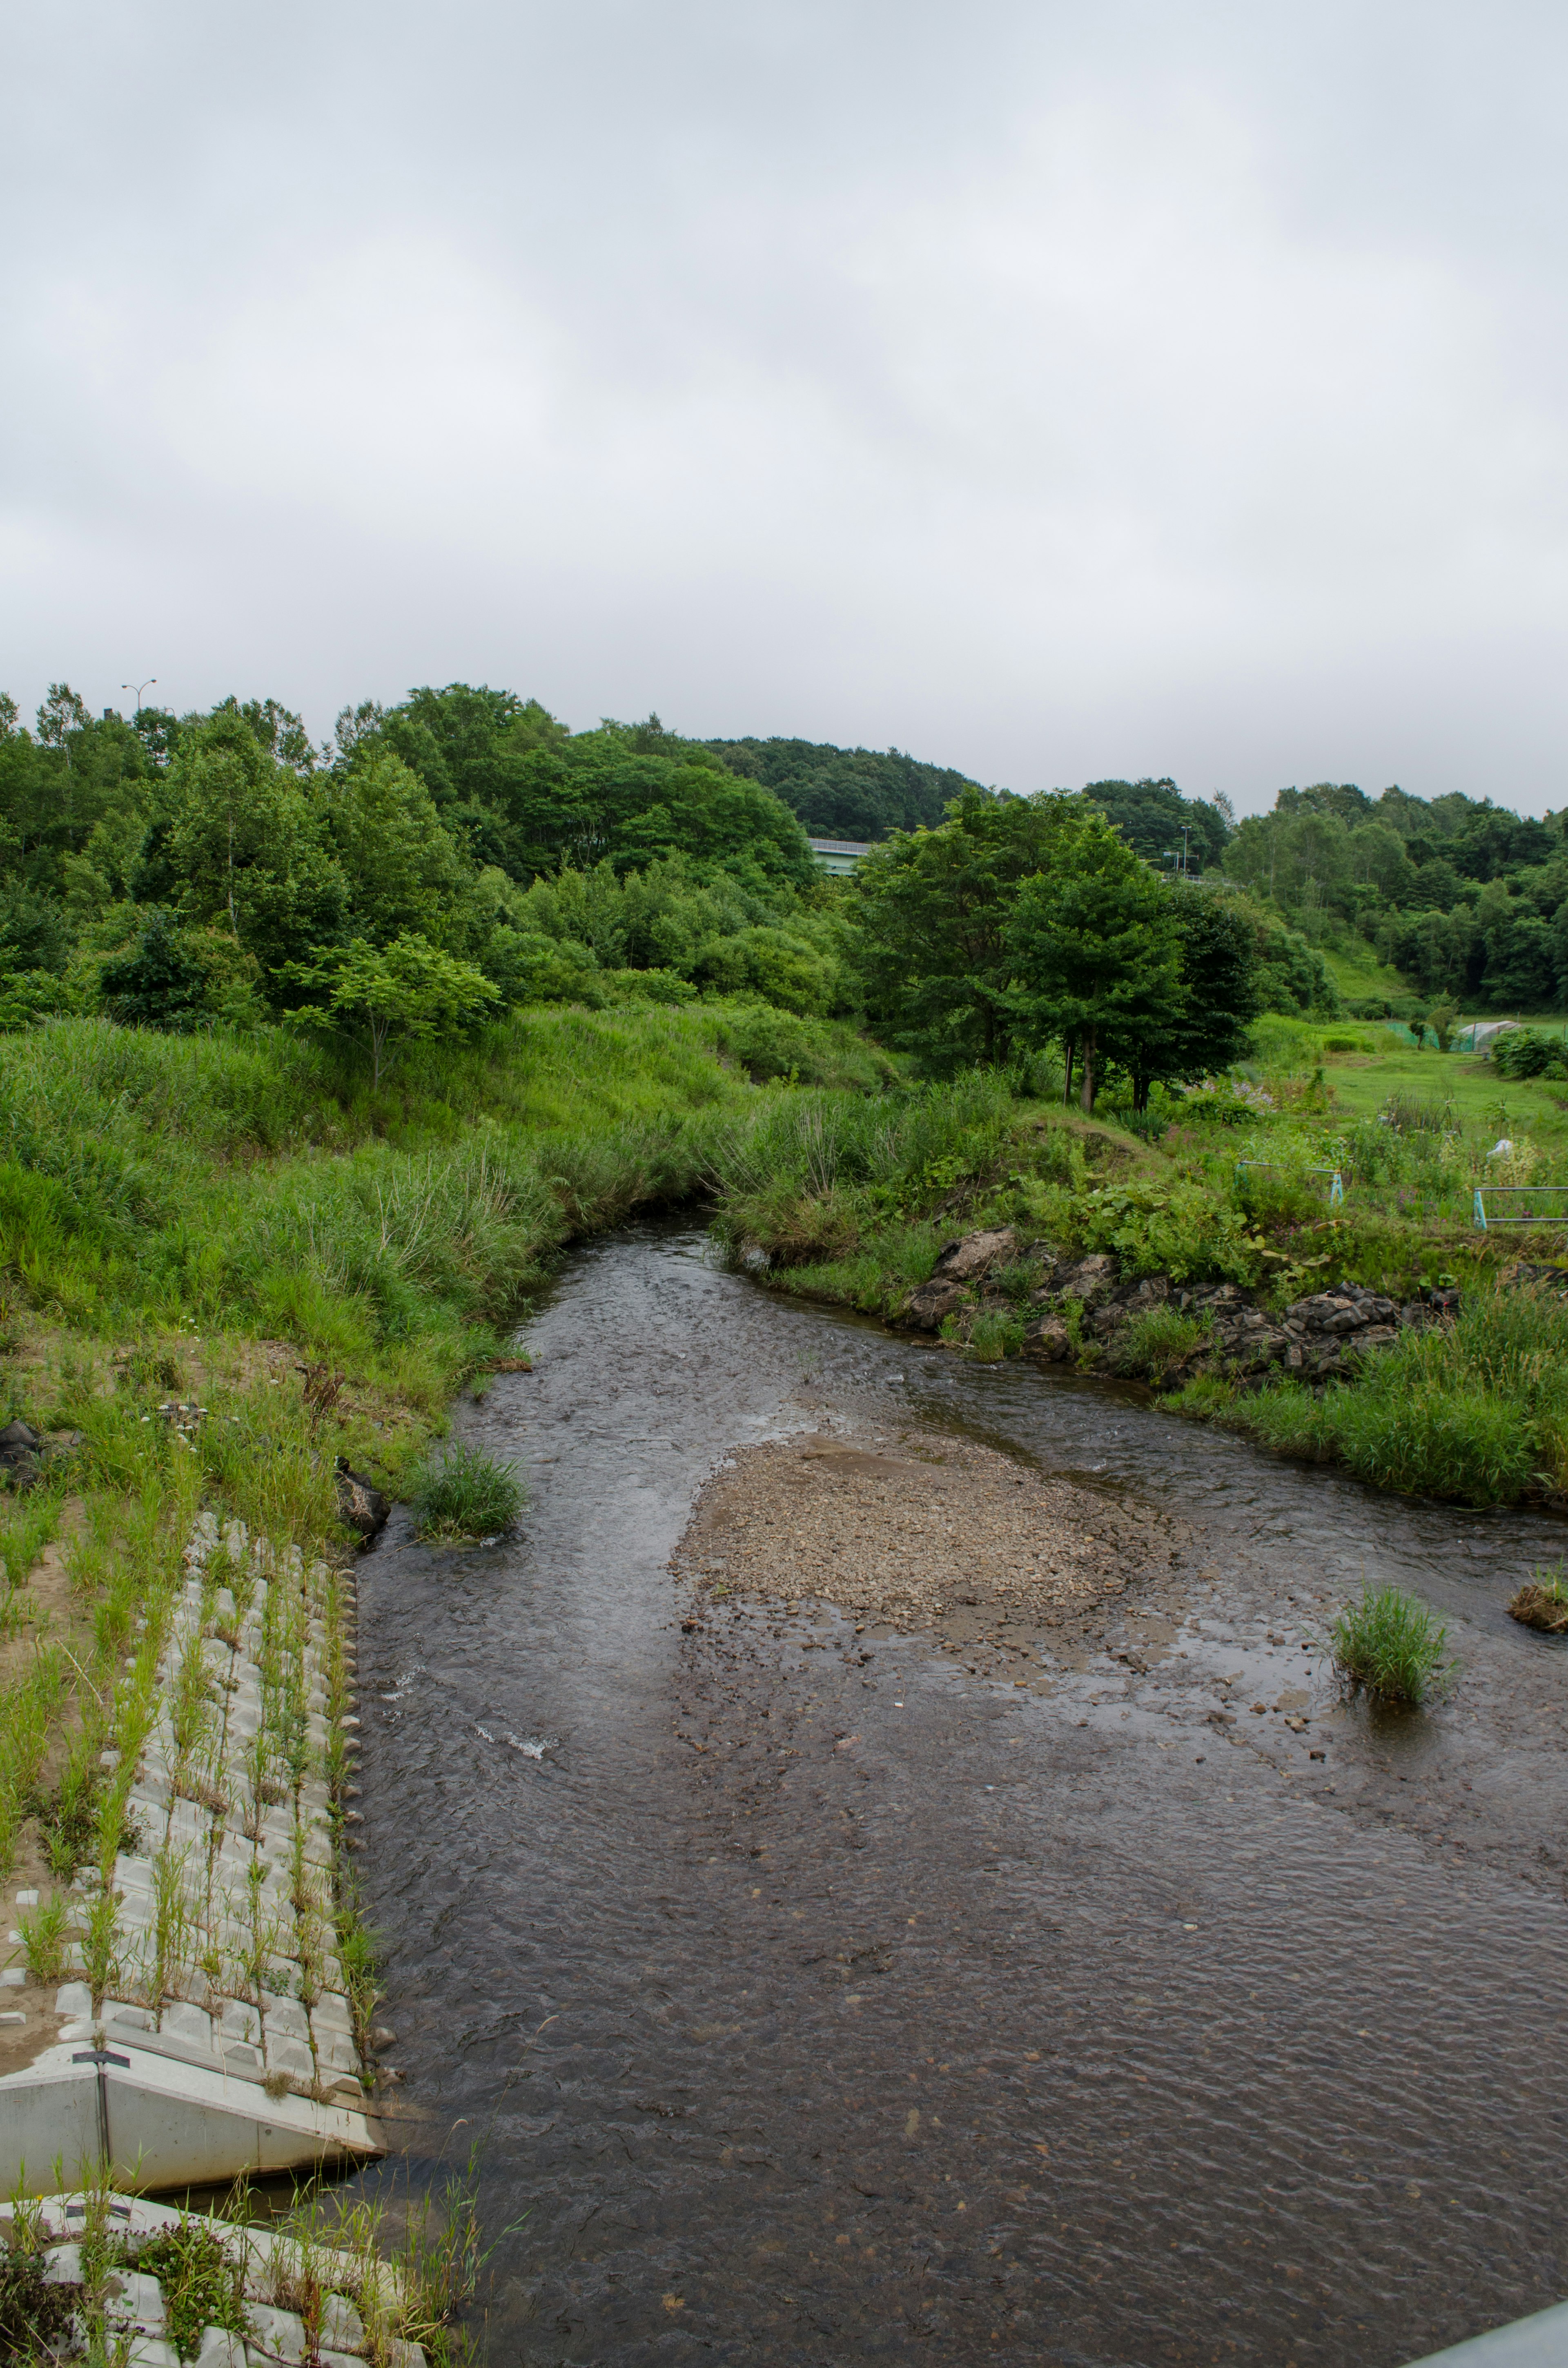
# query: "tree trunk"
[[1067, 1087], [1086, 1090]]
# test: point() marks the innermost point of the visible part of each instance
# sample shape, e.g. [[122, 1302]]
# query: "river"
[[913, 2016]]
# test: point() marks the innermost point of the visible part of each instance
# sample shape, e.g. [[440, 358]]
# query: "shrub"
[[201, 2286], [466, 1494], [1529, 1052], [1390, 1643]]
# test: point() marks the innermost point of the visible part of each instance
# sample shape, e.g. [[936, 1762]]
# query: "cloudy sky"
[[1055, 392]]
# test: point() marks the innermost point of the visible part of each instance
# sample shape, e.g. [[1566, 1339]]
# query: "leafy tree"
[[238, 838], [158, 982], [1095, 947], [400, 867], [379, 993], [848, 792], [1152, 815], [932, 909], [1219, 994]]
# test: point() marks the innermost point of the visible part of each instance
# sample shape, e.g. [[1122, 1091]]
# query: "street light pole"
[[139, 688]]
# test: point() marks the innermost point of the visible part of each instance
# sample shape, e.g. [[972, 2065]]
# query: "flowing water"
[[913, 2017]]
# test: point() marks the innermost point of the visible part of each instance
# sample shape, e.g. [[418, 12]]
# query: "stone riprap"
[[1073, 1310], [210, 2029], [303, 2302]]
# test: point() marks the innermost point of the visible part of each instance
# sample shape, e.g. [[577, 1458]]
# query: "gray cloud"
[[1056, 392]]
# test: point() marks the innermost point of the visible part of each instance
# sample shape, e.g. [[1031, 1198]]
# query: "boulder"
[[19, 1434], [962, 1260], [1050, 1340], [360, 1504], [923, 1309], [1090, 1279]]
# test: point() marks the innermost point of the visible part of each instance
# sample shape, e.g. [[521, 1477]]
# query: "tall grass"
[[1390, 1643], [807, 1175], [1476, 1410]]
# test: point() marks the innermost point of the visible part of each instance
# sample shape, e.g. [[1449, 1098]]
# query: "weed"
[[201, 2285], [1390, 1643], [1542, 1603], [46, 1942], [466, 1494], [35, 2315], [1153, 1343]]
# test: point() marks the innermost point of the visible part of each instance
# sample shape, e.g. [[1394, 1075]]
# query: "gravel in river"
[[932, 1533]]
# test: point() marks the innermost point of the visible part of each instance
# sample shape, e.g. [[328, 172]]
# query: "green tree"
[[240, 839], [400, 867], [1220, 993], [933, 908], [379, 993], [1153, 816], [1094, 946]]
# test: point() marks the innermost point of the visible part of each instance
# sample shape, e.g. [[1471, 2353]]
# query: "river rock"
[[1090, 1279], [923, 1309], [360, 1504], [962, 1260], [1049, 1339]]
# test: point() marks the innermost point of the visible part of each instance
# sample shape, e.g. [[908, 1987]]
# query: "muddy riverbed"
[[830, 1987]]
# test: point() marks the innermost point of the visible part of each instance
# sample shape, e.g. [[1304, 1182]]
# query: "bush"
[[466, 1494], [1390, 1643], [1527, 1053]]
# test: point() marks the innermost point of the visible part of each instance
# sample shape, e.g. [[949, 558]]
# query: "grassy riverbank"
[[227, 1264], [853, 1202]]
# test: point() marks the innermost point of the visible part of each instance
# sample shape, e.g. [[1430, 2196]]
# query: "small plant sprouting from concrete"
[[1390, 1643], [465, 1494], [1542, 1603], [47, 1932]]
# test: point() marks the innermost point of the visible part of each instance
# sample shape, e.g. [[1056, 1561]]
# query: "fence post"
[[1337, 1189], [1480, 1212]]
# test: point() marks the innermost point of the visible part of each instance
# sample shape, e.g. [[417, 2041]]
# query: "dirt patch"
[[954, 1537]]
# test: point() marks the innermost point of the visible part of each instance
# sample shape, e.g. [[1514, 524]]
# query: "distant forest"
[[178, 868]]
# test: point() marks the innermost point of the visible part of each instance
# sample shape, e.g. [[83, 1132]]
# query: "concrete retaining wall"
[[210, 2029]]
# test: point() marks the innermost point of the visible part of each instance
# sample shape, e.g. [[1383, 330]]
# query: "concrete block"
[[14, 1977], [237, 2056], [218, 2348], [398, 2353], [130, 2298], [151, 2351], [341, 2323], [285, 2014], [292, 2056], [63, 2267], [279, 2333], [27, 1899], [187, 2022], [128, 2017], [328, 2358], [241, 2021]]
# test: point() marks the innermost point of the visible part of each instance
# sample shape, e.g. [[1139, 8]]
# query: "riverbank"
[[1225, 1263]]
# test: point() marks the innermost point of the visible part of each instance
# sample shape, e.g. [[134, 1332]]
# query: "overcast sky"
[[1055, 392]]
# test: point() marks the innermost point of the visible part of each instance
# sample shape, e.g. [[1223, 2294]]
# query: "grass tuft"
[[1542, 1603], [1390, 1643], [466, 1494]]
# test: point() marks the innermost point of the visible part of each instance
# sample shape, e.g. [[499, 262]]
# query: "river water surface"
[[913, 2017]]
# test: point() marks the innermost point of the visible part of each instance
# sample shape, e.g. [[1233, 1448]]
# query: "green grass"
[[1542, 1603], [463, 1493], [1149, 1345], [1476, 1410], [1390, 1644]]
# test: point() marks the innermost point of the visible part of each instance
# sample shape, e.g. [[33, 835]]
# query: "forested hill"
[[846, 792]]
